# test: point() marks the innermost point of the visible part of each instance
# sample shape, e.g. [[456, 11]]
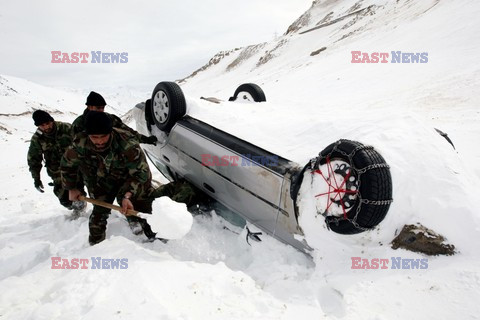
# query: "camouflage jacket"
[[78, 125], [49, 148], [120, 168]]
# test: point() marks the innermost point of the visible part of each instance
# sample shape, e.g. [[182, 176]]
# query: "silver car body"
[[250, 181]]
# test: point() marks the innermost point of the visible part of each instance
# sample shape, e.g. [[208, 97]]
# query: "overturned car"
[[351, 181]]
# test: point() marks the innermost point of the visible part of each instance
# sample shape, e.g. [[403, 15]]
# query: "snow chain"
[[315, 163]]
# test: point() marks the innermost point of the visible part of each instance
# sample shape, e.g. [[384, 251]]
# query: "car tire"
[[249, 92], [357, 185], [168, 105]]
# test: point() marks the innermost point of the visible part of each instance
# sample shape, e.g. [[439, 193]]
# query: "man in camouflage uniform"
[[113, 166], [95, 102], [48, 144]]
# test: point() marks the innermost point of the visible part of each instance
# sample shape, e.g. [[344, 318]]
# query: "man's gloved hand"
[[38, 185], [151, 140]]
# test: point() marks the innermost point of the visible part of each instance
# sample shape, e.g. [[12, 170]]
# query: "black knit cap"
[[40, 117], [95, 99], [97, 122]]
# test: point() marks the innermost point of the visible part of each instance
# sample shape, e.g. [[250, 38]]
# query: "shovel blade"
[[170, 219]]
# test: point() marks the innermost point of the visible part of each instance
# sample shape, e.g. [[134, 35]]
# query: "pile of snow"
[[169, 219]]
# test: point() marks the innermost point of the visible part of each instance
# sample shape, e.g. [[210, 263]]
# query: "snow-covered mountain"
[[444, 30], [314, 97]]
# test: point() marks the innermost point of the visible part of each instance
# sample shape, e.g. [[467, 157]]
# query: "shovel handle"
[[104, 204]]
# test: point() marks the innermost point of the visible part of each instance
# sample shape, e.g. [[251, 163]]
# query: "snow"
[[312, 101], [173, 221]]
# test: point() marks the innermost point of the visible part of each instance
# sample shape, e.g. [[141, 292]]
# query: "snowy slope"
[[311, 101]]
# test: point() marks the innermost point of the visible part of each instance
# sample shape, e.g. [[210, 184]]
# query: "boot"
[[93, 240], [147, 230], [97, 226], [97, 235], [135, 227], [79, 205], [134, 224], [78, 208]]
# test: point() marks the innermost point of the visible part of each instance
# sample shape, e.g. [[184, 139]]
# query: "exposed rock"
[[211, 99], [301, 22], [269, 54], [127, 117], [305, 19], [6, 90], [245, 54], [355, 7], [15, 114], [370, 10], [213, 61], [2, 128], [314, 53], [418, 238], [360, 14], [345, 36], [325, 19]]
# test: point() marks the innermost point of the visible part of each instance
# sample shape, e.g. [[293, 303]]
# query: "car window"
[[160, 166]]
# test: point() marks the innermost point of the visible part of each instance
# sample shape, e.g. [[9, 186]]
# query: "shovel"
[[152, 222], [174, 222]]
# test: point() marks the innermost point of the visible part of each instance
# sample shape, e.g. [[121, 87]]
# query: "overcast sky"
[[165, 40]]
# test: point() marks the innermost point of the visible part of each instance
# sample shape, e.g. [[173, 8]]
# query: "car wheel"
[[352, 186], [168, 105], [248, 92]]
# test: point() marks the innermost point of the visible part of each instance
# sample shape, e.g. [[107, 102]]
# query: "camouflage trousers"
[[180, 191], [98, 218], [60, 192]]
